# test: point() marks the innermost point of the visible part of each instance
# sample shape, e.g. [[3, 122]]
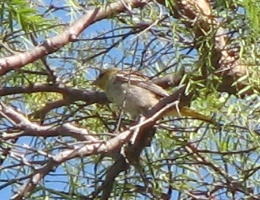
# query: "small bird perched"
[[136, 94]]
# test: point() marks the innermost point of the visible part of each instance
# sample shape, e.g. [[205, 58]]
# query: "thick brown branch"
[[197, 15], [70, 94], [20, 122], [70, 34]]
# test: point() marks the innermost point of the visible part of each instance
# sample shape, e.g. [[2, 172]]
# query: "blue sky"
[[116, 56]]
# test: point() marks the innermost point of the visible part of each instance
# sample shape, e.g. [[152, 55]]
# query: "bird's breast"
[[133, 99]]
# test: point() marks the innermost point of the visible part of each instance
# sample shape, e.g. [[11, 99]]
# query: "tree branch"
[[69, 35]]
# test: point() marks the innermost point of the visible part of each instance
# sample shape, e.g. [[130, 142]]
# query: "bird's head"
[[105, 76]]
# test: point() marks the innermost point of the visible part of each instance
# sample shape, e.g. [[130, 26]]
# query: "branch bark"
[[69, 35], [197, 15]]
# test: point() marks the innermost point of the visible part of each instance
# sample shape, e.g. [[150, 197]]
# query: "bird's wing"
[[134, 78], [149, 85]]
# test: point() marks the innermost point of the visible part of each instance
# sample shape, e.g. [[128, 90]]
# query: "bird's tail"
[[187, 112]]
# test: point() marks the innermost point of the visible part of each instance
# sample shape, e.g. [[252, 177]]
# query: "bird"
[[137, 94]]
